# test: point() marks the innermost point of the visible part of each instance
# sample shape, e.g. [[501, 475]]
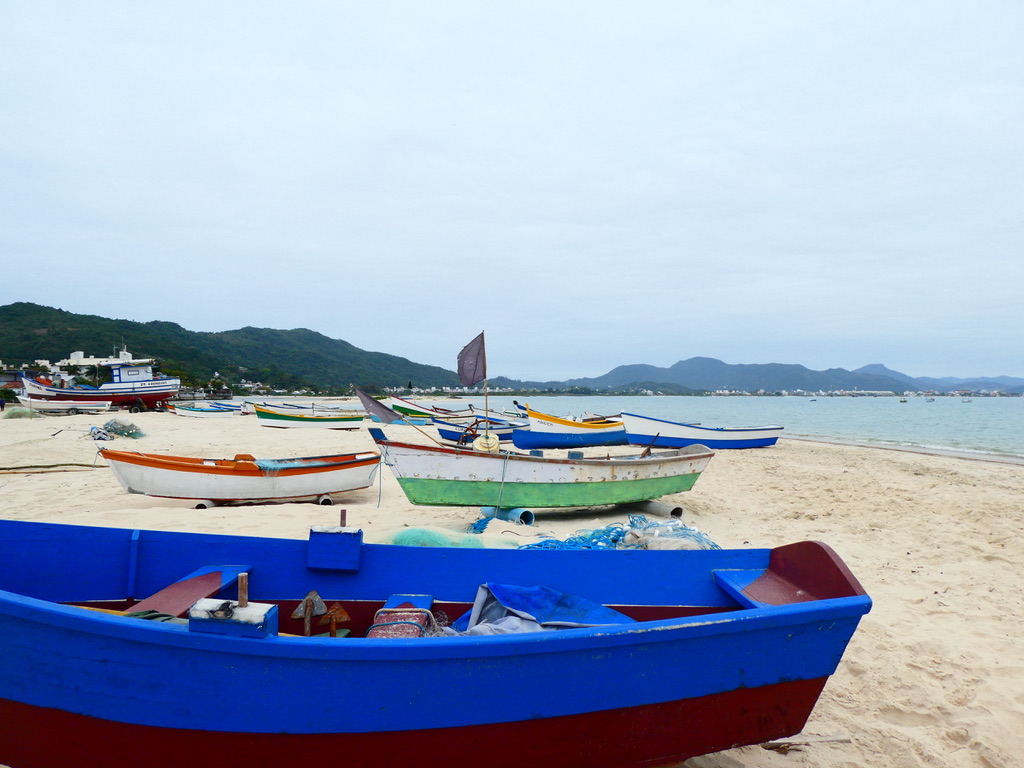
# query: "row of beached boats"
[[218, 650], [522, 426]]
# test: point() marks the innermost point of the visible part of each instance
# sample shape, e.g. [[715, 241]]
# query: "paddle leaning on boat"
[[575, 659]]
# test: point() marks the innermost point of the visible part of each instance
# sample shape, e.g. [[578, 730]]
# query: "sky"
[[592, 184]]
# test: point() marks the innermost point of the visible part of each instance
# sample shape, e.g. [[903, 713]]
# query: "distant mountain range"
[[304, 359], [706, 374]]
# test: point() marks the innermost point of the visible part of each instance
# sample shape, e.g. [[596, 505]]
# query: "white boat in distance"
[[645, 430], [204, 411]]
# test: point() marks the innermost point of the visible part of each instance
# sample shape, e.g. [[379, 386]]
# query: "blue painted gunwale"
[[157, 674], [527, 439], [454, 432]]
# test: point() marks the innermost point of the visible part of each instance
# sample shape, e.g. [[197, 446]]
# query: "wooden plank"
[[178, 597]]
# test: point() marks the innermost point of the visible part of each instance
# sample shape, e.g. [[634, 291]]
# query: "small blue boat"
[[465, 432], [121, 648], [547, 431]]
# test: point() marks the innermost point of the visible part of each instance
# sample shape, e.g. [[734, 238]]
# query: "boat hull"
[[677, 730], [281, 419], [204, 413], [465, 433], [223, 480], [643, 430], [715, 672], [547, 431], [148, 393], [65, 406], [528, 439], [439, 476]]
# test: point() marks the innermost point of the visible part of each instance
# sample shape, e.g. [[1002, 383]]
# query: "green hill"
[[292, 359]]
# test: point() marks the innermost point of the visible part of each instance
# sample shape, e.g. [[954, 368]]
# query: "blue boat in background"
[[465, 432], [132, 647], [547, 431]]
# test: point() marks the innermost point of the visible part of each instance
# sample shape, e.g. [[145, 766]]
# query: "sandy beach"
[[934, 676]]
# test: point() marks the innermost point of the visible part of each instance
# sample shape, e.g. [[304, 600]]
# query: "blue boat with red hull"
[[333, 651]]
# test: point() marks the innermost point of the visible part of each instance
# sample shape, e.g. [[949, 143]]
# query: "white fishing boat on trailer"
[[70, 407], [133, 383]]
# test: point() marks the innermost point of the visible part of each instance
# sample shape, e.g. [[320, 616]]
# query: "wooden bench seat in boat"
[[178, 597]]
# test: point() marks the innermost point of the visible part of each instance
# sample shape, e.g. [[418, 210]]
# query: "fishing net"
[[426, 537], [20, 412], [122, 428], [639, 533]]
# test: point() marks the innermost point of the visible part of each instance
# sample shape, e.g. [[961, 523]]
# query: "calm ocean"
[[984, 425]]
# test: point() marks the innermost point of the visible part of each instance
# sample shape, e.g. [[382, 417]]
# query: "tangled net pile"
[[116, 428], [638, 534]]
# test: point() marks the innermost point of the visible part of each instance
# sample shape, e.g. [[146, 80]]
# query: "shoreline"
[[995, 458]]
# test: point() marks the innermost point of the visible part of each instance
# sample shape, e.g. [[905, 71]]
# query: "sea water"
[[982, 425]]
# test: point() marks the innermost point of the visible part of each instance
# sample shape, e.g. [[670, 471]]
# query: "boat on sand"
[[262, 652], [243, 478], [547, 431], [442, 475], [283, 418]]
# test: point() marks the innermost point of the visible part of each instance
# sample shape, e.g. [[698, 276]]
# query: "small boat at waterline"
[[243, 478], [664, 655], [644, 430]]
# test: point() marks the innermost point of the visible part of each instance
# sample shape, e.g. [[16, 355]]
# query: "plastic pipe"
[[513, 515]]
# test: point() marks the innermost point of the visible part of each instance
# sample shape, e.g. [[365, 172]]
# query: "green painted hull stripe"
[[488, 493], [284, 417]]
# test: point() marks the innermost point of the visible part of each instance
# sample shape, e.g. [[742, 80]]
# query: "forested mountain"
[[283, 359]]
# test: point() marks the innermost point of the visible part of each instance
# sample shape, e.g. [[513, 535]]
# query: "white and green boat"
[[437, 475], [272, 417]]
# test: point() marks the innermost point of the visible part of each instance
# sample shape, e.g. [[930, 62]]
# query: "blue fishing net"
[[635, 535]]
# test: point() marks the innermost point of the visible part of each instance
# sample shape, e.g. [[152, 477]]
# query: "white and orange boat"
[[242, 479]]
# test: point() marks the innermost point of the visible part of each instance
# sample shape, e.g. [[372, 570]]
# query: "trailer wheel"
[[135, 409], [72, 411]]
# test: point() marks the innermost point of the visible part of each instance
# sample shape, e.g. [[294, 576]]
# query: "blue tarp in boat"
[[542, 607]]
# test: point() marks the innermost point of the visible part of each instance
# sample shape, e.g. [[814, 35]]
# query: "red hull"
[[652, 735], [149, 399]]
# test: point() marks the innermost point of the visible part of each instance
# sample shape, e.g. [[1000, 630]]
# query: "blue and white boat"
[[659, 433], [547, 431], [121, 648], [465, 432]]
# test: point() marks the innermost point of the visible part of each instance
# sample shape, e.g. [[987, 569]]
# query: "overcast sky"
[[592, 184]]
